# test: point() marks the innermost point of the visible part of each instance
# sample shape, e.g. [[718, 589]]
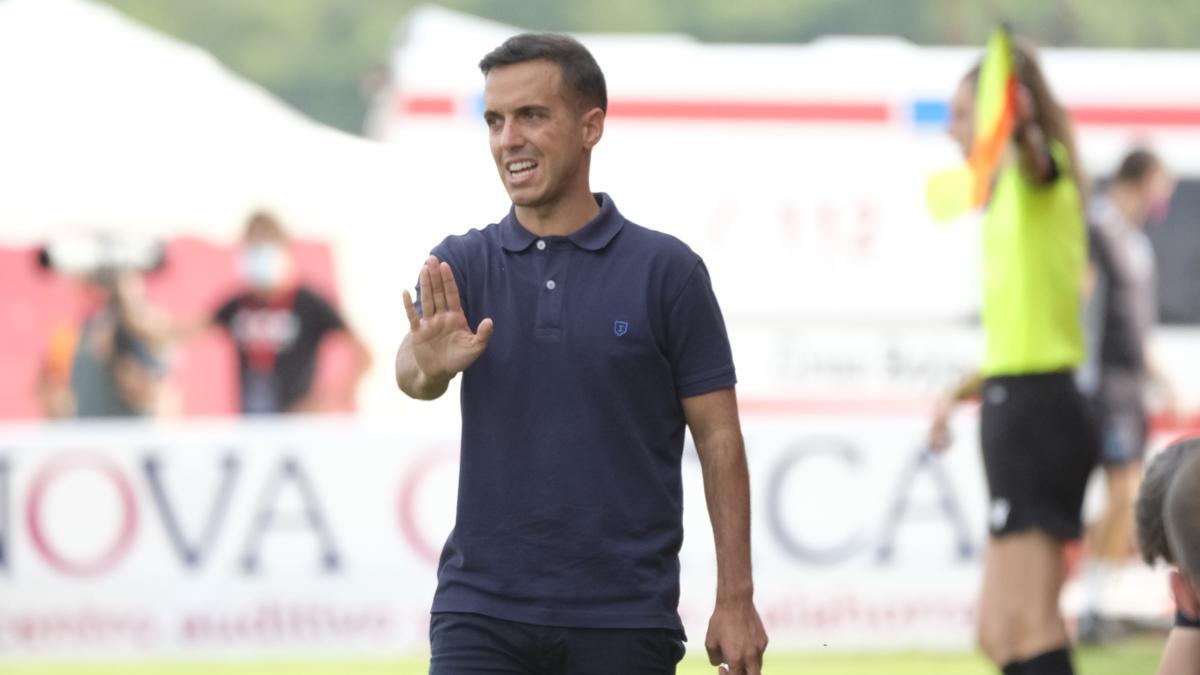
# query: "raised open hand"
[[443, 345]]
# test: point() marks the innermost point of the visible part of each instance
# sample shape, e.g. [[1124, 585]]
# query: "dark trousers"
[[466, 644]]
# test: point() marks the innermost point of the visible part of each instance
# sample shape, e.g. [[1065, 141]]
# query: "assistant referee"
[[1039, 446]]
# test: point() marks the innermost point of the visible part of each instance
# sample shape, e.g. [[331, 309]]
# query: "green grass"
[[1128, 659]]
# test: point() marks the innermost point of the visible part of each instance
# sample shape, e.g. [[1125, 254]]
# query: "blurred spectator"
[[1121, 313], [106, 368], [277, 326], [1168, 527]]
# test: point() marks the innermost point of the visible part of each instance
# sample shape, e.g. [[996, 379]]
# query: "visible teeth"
[[516, 167]]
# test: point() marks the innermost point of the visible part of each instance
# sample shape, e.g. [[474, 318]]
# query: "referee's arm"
[[735, 632], [1032, 146]]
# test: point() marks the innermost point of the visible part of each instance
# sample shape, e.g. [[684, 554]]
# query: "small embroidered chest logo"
[[620, 328]]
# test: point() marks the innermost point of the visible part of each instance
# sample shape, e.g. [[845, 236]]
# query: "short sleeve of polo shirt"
[[697, 343], [317, 310]]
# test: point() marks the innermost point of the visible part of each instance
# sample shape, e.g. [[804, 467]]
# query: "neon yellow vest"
[[1034, 262]]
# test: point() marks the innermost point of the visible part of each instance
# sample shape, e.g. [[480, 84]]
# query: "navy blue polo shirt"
[[570, 499]]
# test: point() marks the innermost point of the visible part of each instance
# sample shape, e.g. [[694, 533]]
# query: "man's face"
[[538, 135], [1186, 593], [266, 264], [962, 117], [1157, 189]]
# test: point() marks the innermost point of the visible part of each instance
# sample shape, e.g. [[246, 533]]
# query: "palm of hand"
[[444, 343]]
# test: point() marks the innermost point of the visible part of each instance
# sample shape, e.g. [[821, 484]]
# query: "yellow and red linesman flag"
[[950, 194]]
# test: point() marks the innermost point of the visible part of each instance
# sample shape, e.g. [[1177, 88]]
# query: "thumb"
[[484, 333]]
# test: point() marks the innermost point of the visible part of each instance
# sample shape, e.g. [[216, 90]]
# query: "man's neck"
[[562, 218], [271, 295], [1128, 204]]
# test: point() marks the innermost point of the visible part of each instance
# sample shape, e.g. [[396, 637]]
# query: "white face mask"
[[264, 266]]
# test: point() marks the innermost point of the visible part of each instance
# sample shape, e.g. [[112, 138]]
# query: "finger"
[[439, 286], [714, 654], [483, 334], [410, 308], [453, 302], [754, 663], [425, 294]]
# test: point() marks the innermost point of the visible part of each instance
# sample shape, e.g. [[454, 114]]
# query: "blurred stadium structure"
[[796, 171]]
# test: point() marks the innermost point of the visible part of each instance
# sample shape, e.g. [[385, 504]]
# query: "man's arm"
[[735, 632], [439, 344], [412, 380], [343, 393], [147, 321], [1171, 402]]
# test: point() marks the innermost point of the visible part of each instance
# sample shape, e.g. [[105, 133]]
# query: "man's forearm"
[[727, 491]]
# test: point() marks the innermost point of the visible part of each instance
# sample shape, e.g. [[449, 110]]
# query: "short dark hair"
[[1181, 512], [1152, 538], [1136, 166], [580, 72], [266, 226]]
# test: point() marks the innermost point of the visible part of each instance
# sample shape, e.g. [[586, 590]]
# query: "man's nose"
[[510, 135]]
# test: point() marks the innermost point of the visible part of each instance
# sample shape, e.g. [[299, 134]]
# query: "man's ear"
[[1186, 600], [593, 127]]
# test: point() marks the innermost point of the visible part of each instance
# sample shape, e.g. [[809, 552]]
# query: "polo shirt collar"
[[591, 237]]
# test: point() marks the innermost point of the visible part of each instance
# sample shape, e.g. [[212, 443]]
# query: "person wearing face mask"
[[1120, 316], [277, 325]]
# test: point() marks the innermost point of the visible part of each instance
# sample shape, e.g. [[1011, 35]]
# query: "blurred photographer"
[[104, 367]]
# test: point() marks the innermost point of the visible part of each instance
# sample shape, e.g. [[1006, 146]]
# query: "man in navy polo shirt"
[[596, 342]]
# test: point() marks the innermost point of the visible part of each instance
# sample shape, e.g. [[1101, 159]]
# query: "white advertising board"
[[320, 537]]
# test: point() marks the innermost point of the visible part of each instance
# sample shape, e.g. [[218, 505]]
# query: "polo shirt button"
[[550, 284], [541, 245]]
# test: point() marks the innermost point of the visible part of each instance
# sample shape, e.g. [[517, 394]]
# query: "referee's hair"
[[1181, 511], [1136, 166], [580, 72], [1152, 538]]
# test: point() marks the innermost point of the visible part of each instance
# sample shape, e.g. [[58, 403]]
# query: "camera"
[[101, 257]]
